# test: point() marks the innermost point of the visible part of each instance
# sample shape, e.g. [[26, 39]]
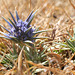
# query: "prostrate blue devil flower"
[[20, 30]]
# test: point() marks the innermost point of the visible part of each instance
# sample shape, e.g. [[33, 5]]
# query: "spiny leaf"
[[4, 37], [27, 30], [5, 28], [8, 22], [9, 38], [17, 16], [37, 29], [12, 22], [13, 17], [40, 31], [31, 18], [4, 34]]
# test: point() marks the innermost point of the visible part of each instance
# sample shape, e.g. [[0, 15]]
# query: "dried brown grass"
[[58, 15]]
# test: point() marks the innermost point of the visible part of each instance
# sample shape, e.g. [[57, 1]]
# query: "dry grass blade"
[[2, 67], [43, 73], [54, 70], [70, 59], [20, 62], [57, 56], [29, 69], [72, 4], [11, 72], [6, 6], [67, 14], [73, 72]]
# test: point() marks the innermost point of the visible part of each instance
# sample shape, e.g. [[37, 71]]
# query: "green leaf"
[[14, 50], [60, 44], [40, 31], [70, 44], [10, 52], [43, 51], [74, 33], [69, 35], [37, 28], [28, 30]]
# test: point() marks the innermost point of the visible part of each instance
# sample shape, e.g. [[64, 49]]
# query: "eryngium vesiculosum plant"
[[19, 30], [22, 32]]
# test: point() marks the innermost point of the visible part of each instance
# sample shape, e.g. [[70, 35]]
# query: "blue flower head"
[[20, 30]]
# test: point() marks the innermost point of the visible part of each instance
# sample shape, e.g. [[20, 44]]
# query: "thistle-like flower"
[[19, 30]]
